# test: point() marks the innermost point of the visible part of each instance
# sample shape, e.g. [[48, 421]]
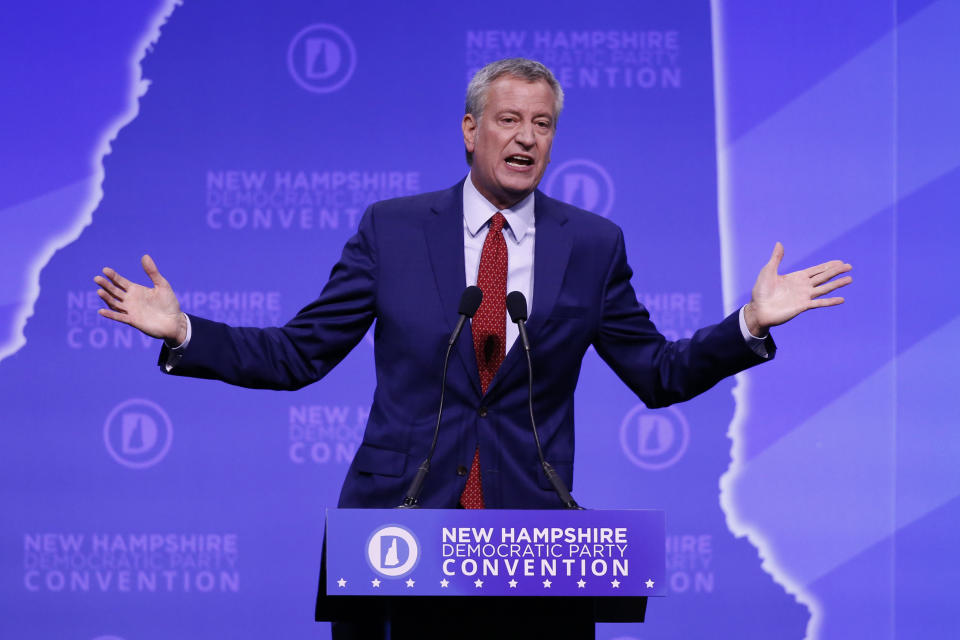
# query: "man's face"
[[511, 141]]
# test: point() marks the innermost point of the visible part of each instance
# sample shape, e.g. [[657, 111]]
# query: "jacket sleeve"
[[308, 346], [659, 371]]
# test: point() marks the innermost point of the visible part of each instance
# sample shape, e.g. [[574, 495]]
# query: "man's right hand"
[[156, 311]]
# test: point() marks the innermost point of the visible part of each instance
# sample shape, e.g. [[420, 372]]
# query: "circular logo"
[[654, 440], [138, 433], [582, 183], [321, 58], [393, 551]]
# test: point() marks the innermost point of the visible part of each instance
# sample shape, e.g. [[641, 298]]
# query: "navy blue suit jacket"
[[404, 268]]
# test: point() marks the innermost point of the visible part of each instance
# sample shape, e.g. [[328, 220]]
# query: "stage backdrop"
[[239, 142]]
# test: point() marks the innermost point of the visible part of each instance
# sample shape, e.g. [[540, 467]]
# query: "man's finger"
[[830, 270], [109, 287], [810, 272], [830, 286], [116, 278], [825, 302], [113, 315], [109, 300], [150, 267]]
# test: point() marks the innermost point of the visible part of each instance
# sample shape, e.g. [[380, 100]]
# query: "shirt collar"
[[477, 210]]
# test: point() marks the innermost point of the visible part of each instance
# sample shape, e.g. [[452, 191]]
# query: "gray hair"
[[529, 70]]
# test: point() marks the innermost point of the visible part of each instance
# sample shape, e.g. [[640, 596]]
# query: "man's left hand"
[[779, 298]]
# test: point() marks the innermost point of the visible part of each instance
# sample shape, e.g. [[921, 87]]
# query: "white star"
[[615, 584], [410, 582], [581, 584], [341, 583], [444, 583], [375, 582], [513, 584], [649, 583], [478, 583], [547, 583]]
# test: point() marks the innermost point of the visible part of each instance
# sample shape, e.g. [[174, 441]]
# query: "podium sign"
[[494, 552]]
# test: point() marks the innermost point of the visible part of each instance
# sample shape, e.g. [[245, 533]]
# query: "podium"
[[416, 565]]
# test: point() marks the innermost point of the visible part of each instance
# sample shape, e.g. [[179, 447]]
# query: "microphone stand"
[[469, 303], [517, 306]]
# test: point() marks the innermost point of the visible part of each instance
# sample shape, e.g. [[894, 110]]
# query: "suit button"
[[482, 411], [461, 470]]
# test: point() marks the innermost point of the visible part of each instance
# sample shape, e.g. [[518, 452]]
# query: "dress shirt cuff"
[[756, 344], [175, 353]]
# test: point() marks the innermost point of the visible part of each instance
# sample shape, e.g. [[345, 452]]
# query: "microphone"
[[469, 303], [517, 308]]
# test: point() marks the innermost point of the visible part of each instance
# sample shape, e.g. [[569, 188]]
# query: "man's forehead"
[[520, 94]]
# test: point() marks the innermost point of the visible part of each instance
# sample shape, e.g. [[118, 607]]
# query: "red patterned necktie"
[[489, 328]]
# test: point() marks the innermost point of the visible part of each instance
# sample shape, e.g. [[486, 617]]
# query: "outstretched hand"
[[154, 311], [779, 298]]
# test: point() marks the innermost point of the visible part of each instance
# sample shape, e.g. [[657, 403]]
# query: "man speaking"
[[407, 267]]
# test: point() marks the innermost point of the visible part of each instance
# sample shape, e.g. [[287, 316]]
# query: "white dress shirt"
[[519, 235]]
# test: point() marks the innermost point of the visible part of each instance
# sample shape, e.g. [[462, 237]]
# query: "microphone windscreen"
[[470, 301], [516, 306]]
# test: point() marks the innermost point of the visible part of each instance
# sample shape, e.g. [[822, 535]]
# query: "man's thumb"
[[776, 257], [150, 268]]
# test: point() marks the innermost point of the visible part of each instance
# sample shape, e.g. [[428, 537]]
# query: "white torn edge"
[[741, 390], [139, 86]]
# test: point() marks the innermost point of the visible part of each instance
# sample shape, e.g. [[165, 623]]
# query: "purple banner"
[[435, 552]]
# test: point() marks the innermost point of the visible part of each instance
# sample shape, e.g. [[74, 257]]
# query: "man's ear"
[[469, 126]]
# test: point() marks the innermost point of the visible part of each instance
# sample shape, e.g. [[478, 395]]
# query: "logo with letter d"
[[582, 183], [654, 440], [393, 551], [138, 433], [321, 58]]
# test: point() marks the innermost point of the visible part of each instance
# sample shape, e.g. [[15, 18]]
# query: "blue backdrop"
[[238, 143]]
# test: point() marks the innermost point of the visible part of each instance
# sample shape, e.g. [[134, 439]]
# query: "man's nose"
[[525, 135]]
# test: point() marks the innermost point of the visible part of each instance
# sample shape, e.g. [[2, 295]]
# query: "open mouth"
[[519, 161]]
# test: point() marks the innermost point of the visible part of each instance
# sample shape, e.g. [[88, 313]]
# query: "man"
[[406, 268]]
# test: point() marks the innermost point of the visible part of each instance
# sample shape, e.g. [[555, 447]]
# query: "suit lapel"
[[551, 253], [444, 237]]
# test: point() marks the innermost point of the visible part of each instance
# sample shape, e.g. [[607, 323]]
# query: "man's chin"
[[511, 196], [519, 189]]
